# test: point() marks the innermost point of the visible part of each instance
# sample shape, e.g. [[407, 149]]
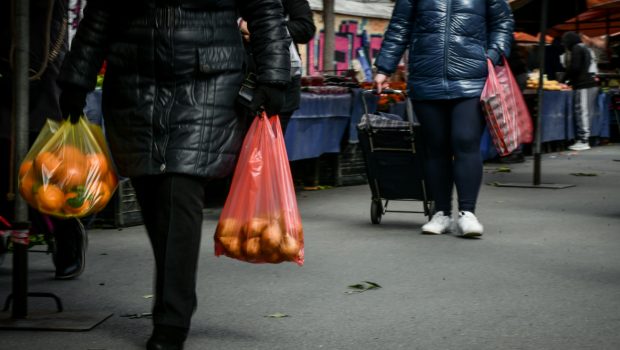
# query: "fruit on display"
[[67, 182], [552, 85], [263, 238]]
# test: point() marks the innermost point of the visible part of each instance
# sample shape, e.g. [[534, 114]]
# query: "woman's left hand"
[[381, 82]]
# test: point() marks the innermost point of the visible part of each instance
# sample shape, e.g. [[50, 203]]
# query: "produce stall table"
[[318, 125], [558, 120]]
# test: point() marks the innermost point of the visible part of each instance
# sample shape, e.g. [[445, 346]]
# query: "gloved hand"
[[494, 56], [270, 97], [72, 102]]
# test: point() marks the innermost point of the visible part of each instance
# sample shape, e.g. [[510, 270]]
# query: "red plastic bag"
[[68, 171], [506, 113], [260, 222]]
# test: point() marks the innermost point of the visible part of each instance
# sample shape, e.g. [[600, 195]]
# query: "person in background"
[[48, 44], [585, 87], [174, 69], [592, 49], [449, 47], [301, 28]]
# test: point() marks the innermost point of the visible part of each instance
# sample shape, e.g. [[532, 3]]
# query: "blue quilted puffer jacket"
[[449, 42]]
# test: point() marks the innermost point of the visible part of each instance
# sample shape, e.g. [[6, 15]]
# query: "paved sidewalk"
[[546, 275]]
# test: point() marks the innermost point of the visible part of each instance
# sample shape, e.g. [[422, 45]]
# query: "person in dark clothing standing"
[[48, 44], [301, 28], [174, 69], [584, 85], [449, 43]]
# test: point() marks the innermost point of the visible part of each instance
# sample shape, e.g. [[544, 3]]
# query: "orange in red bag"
[[260, 222]]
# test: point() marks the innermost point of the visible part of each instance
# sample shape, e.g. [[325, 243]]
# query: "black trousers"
[[452, 130], [172, 211]]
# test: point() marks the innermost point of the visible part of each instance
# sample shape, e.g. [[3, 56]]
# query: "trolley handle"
[[409, 107]]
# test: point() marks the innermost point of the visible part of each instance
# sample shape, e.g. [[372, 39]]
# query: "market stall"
[[318, 125]]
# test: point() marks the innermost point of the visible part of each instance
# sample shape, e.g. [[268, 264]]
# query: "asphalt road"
[[545, 275]]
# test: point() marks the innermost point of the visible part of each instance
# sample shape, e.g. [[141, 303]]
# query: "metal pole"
[[541, 46], [20, 98], [19, 148], [330, 35], [577, 9]]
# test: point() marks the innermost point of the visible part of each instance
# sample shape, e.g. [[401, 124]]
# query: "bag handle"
[[409, 107]]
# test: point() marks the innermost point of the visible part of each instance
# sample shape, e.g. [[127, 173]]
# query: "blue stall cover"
[[318, 126]]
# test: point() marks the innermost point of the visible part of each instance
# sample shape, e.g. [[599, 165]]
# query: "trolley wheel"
[[376, 211]]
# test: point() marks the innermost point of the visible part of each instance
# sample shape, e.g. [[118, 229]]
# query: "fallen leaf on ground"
[[503, 169], [277, 315], [360, 287], [584, 174]]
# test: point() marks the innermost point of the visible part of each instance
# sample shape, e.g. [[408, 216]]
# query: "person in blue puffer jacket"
[[449, 42]]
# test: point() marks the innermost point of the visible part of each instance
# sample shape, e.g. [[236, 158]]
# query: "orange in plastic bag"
[[260, 222], [68, 171]]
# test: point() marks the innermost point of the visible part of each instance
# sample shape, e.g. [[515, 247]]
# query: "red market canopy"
[[602, 18], [521, 37], [528, 14]]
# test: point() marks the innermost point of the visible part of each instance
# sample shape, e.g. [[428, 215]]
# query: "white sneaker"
[[439, 224], [579, 146], [468, 225]]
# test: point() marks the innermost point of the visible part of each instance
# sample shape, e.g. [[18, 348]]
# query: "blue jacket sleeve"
[[500, 27], [397, 36]]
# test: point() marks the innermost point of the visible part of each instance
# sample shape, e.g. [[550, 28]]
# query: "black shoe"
[[70, 248], [167, 338]]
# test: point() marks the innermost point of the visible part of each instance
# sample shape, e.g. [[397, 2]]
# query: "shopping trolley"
[[393, 164]]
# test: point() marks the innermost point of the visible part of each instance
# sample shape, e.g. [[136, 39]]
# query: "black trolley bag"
[[393, 165]]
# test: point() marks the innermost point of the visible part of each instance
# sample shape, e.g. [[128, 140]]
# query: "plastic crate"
[[122, 210], [345, 168]]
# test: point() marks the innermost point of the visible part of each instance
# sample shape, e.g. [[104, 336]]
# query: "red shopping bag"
[[260, 222], [506, 113]]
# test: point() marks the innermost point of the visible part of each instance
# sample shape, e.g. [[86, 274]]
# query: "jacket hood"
[[570, 39]]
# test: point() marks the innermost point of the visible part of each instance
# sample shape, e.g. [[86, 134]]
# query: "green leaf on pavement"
[[360, 288], [503, 169]]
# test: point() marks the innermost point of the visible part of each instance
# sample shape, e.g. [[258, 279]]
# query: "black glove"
[[494, 56], [72, 102], [270, 97]]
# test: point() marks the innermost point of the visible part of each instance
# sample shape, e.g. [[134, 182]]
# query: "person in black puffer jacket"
[[449, 43], [174, 69], [584, 85]]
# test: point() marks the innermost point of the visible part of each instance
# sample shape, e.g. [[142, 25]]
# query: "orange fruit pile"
[[67, 182], [259, 240]]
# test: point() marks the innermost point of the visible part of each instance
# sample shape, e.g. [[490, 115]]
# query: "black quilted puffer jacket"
[[174, 68], [448, 41]]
